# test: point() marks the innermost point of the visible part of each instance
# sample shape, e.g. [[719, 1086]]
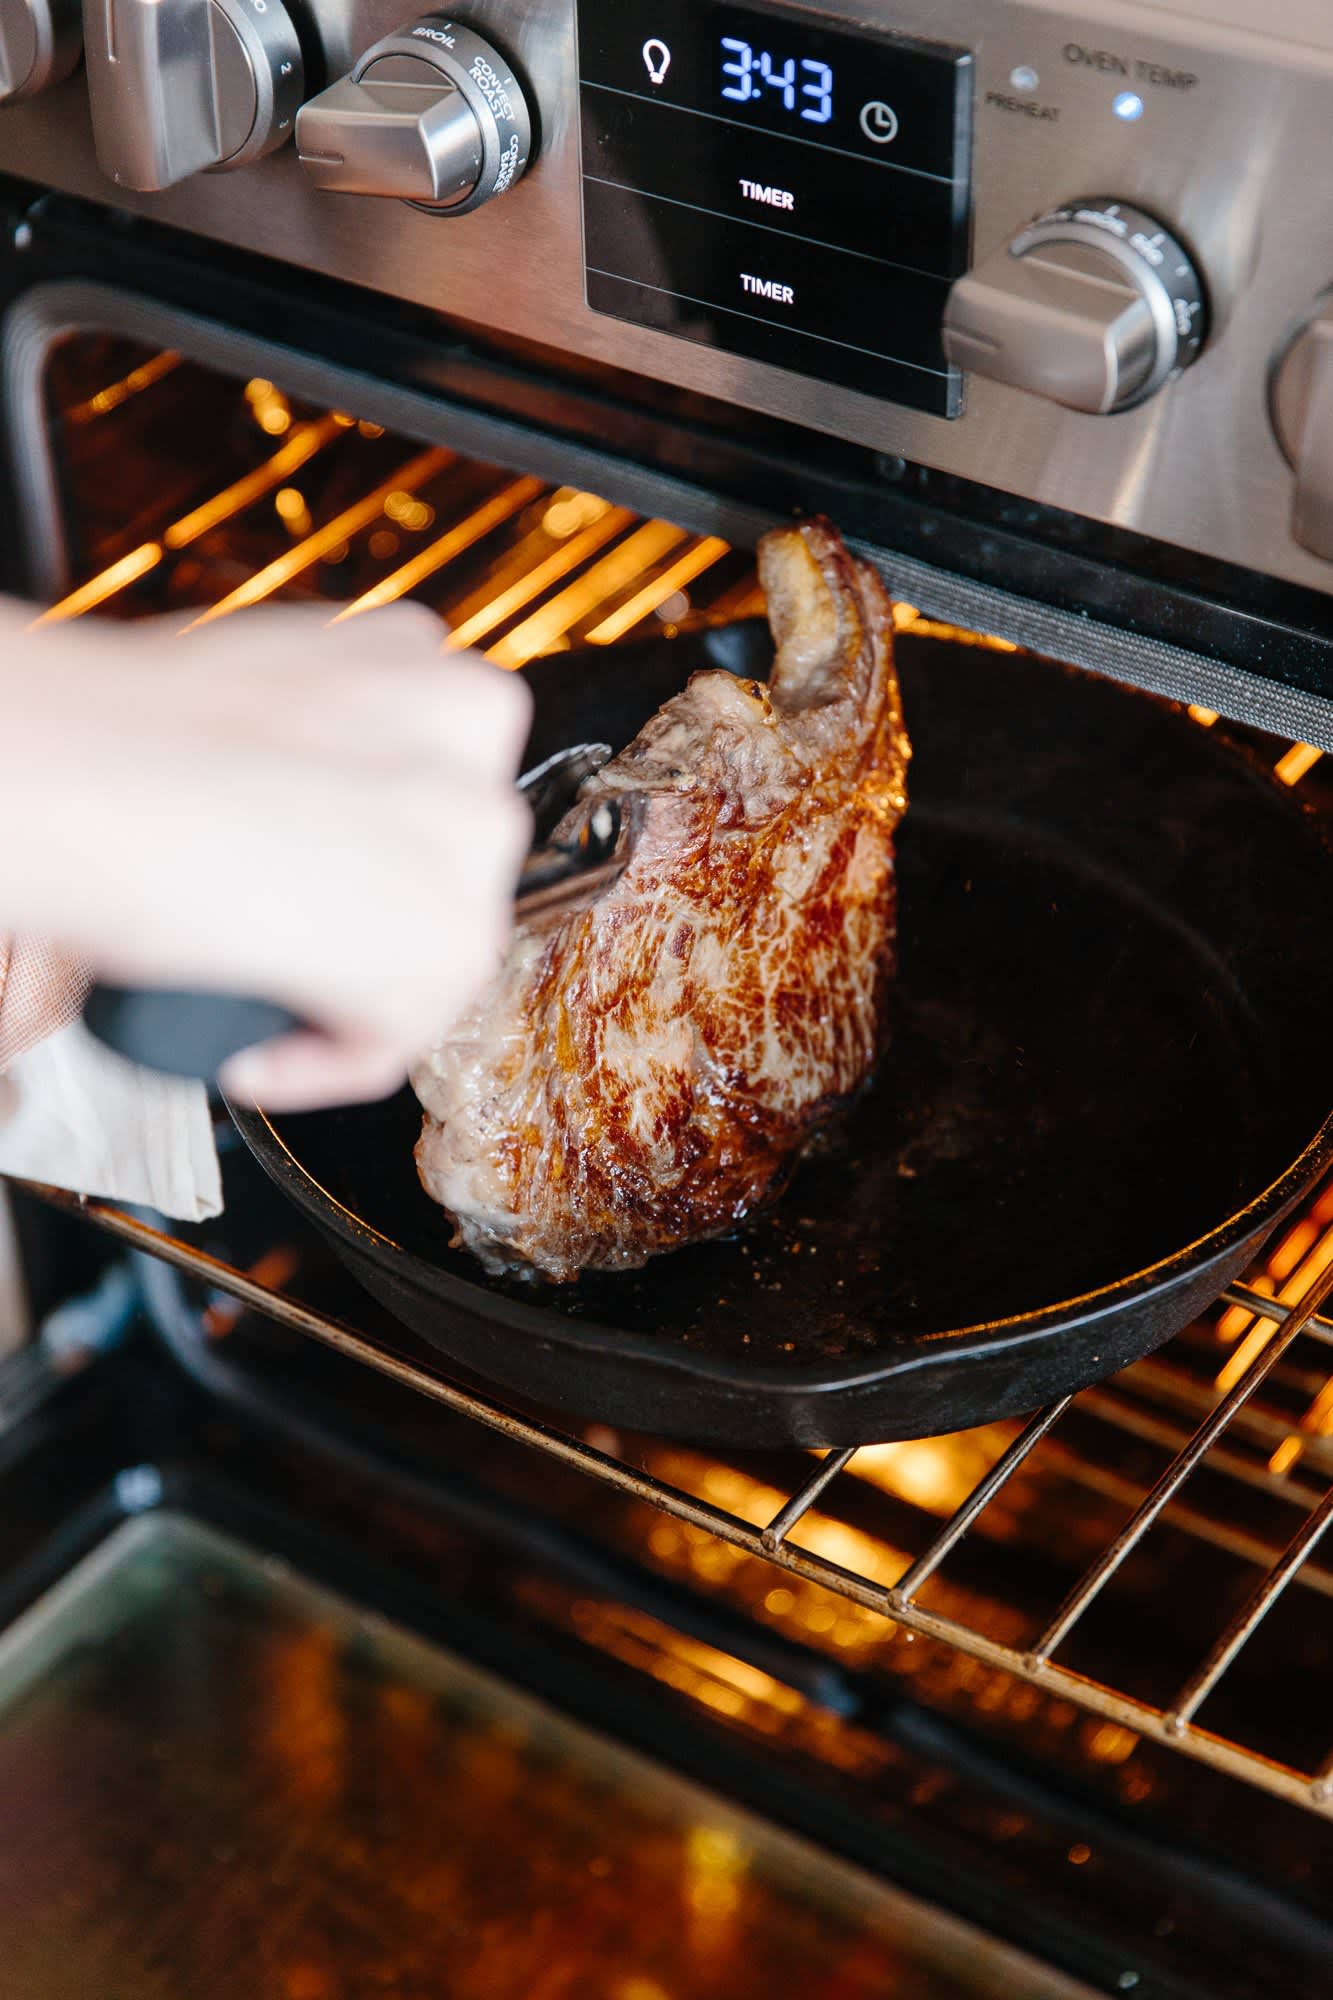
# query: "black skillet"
[[1111, 1073]]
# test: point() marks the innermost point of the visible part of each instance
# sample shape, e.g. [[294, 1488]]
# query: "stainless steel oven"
[[325, 1668]]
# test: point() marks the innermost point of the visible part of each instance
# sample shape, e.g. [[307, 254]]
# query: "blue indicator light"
[[1129, 106]]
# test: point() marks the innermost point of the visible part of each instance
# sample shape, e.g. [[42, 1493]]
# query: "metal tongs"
[[555, 871], [193, 1034]]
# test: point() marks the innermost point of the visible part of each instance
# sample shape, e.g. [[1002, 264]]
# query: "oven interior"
[[1072, 1671]]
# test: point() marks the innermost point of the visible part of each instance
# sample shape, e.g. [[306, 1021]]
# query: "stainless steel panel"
[[1240, 160]]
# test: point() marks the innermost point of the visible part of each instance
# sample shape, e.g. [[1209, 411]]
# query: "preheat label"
[[784, 191]]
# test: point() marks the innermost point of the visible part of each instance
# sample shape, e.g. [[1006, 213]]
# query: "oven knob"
[[1301, 406], [432, 114], [1094, 305], [39, 44], [181, 86]]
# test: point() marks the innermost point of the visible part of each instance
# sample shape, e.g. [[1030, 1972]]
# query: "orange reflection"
[[935, 1474], [115, 393], [714, 1886], [615, 572], [743, 600], [98, 589], [500, 507], [325, 541], [290, 505], [864, 1555], [1317, 1422], [1301, 758], [610, 523], [657, 593], [1110, 1744], [302, 1719], [269, 407], [1292, 1266], [224, 506], [906, 618], [1308, 1271]]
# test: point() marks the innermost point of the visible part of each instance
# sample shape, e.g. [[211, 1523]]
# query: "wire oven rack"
[[1273, 1323], [598, 574]]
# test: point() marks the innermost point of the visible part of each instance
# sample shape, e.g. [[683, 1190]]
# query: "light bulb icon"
[[657, 61]]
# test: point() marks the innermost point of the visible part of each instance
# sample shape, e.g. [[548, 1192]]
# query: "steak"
[[651, 1059]]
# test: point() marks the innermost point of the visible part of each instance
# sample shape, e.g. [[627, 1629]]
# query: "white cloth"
[[75, 1116]]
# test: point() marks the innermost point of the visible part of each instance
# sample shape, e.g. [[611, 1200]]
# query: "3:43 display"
[[749, 72]]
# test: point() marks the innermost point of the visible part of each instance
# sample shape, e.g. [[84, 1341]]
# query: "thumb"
[[310, 1071]]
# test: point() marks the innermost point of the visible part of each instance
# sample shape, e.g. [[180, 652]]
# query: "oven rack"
[[1274, 1325]]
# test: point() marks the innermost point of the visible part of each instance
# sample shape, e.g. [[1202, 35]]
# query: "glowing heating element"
[[300, 448]]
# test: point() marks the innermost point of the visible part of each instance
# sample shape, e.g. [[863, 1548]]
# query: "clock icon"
[[879, 121]]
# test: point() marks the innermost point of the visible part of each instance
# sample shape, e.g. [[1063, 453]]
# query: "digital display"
[[765, 184], [749, 73]]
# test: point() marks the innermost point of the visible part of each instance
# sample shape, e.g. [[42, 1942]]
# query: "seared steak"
[[650, 1062]]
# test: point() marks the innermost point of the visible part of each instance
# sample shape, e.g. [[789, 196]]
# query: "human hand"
[[323, 815]]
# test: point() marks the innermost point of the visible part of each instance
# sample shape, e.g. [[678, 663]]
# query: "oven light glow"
[[1023, 78], [1128, 105]]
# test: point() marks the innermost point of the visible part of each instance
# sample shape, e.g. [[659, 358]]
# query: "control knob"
[[178, 87], [1301, 408], [1094, 305], [39, 44], [432, 115]]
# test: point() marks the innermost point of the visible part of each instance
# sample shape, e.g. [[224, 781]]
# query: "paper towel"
[[75, 1116]]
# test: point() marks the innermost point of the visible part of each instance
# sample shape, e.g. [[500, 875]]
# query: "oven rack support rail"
[[1174, 1725]]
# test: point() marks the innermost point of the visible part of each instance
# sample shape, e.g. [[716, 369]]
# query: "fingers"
[[475, 711], [375, 688], [484, 713], [311, 1072], [330, 816], [403, 969]]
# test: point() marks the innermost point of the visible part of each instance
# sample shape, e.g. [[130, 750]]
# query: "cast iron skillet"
[[1111, 1073]]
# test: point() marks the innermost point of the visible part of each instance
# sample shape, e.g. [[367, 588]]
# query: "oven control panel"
[[1076, 251], [775, 188]]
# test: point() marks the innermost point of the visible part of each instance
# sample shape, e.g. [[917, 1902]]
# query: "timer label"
[[730, 153], [771, 197], [768, 288]]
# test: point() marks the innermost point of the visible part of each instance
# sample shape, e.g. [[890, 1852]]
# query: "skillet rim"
[[998, 1336]]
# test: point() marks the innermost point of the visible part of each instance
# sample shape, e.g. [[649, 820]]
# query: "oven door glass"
[[220, 1779]]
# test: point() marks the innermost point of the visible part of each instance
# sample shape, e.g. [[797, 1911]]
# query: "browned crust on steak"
[[647, 1068]]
